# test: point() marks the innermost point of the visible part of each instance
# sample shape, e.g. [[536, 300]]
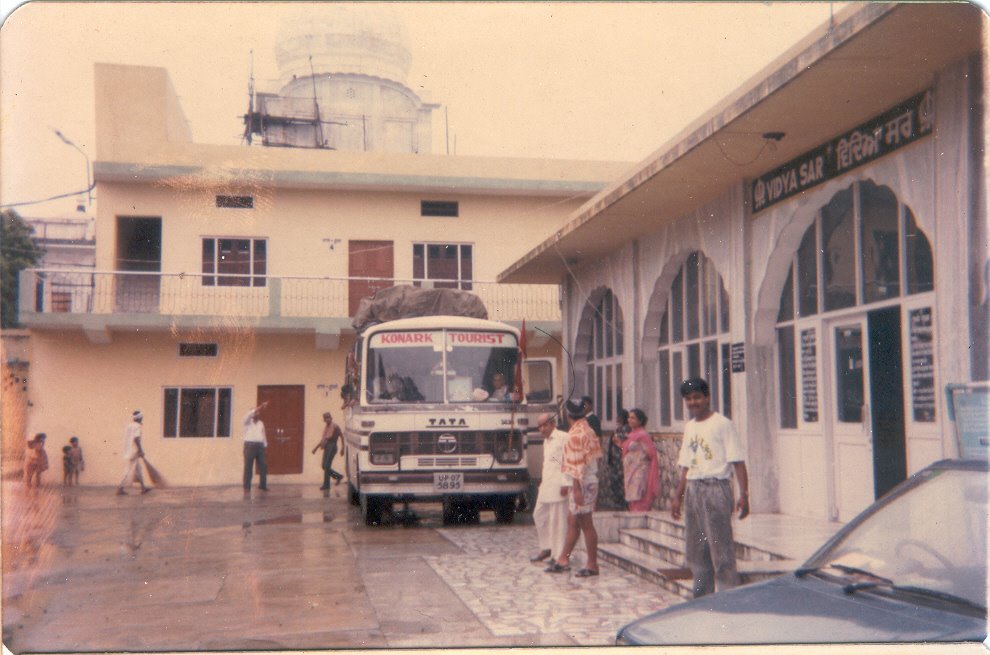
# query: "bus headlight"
[[383, 449], [508, 448], [383, 458]]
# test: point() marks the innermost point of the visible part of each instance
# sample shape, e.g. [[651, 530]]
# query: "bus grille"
[[425, 443]]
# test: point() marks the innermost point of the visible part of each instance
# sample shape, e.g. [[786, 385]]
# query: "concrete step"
[[675, 577], [666, 525], [657, 544], [645, 566], [662, 523]]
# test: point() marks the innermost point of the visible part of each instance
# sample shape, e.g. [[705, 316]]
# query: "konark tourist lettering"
[[881, 135]]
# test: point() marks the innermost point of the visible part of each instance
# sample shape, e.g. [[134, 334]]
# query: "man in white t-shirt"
[[710, 453], [133, 454], [255, 443]]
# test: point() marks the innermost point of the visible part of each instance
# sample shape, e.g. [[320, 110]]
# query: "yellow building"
[[228, 273]]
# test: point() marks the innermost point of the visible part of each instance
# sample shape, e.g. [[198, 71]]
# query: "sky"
[[592, 81]]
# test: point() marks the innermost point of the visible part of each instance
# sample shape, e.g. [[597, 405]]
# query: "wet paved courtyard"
[[209, 569]]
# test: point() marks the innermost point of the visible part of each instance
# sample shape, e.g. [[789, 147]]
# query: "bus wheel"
[[505, 509], [371, 509], [450, 511], [352, 495]]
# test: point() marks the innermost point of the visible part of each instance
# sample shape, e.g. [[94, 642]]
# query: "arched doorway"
[[855, 357]]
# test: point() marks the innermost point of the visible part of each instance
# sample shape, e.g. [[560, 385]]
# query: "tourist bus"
[[434, 412]]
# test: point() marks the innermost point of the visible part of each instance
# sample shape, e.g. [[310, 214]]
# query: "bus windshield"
[[438, 366]]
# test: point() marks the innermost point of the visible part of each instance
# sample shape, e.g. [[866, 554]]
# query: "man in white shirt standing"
[[133, 454], [709, 454], [255, 443], [550, 513]]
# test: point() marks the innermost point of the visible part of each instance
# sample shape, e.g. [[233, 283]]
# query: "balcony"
[[100, 302]]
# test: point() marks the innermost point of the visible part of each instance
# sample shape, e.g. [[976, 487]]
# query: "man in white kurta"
[[550, 513], [132, 454]]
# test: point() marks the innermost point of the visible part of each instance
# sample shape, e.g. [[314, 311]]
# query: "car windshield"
[[934, 537], [436, 366]]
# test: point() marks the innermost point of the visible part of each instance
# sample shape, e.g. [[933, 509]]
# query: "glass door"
[[852, 427]]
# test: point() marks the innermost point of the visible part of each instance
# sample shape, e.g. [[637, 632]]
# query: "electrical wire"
[[48, 199], [725, 155]]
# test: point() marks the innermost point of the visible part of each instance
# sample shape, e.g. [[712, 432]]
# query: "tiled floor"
[[523, 599]]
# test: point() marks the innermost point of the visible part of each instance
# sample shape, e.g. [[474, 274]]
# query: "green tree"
[[17, 252]]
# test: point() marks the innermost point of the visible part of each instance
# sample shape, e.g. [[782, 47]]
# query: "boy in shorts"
[[582, 450]]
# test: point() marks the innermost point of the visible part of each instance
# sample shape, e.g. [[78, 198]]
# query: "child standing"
[[35, 461], [67, 466], [78, 464]]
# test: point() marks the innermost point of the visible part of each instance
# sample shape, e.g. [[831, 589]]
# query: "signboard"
[[922, 364], [738, 357], [405, 339], [879, 136], [481, 339], [809, 375], [461, 339], [970, 410]]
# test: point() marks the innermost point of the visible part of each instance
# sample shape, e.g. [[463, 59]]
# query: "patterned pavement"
[[524, 600]]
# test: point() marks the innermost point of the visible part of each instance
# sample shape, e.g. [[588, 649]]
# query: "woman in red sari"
[[640, 465]]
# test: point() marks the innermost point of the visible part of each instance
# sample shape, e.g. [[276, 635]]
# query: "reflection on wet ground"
[[209, 569]]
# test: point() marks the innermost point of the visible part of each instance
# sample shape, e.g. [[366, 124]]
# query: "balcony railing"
[[58, 291]]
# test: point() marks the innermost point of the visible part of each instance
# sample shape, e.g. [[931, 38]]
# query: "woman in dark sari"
[[611, 484]]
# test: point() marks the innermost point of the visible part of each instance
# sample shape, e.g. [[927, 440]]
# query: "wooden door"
[[372, 259], [284, 419]]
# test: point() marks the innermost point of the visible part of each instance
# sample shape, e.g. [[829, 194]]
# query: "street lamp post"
[[89, 185]]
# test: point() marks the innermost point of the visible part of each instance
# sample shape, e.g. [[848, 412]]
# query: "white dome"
[[366, 39]]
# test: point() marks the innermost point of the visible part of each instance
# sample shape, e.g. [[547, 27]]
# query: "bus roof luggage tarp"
[[405, 301]]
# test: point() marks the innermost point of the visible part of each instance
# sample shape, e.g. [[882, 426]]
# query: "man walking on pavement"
[[550, 513], [133, 454], [710, 452], [255, 443], [329, 441]]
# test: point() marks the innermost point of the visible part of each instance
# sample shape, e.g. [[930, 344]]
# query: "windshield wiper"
[[909, 589], [852, 570]]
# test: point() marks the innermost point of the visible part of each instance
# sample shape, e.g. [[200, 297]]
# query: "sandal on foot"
[[585, 573], [540, 556], [557, 568]]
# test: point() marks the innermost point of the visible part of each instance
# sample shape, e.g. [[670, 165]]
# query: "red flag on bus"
[[518, 382]]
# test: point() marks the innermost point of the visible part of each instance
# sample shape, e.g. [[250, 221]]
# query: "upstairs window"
[[235, 202], [236, 262], [198, 350], [449, 265], [447, 208]]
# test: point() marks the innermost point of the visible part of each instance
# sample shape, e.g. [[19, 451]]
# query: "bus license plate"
[[448, 481]]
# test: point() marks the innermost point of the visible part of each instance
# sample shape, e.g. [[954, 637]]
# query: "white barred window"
[[694, 339], [605, 358]]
